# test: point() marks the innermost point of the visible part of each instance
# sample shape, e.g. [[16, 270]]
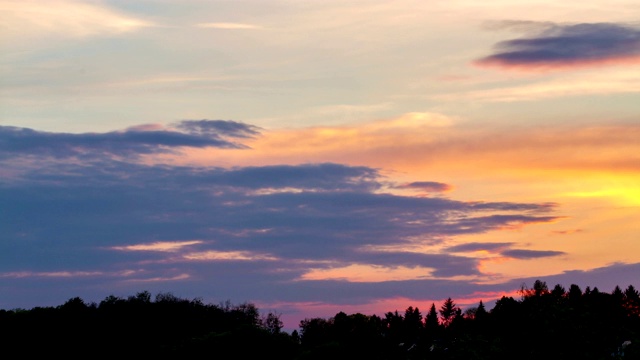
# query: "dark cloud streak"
[[556, 46], [531, 254], [428, 186], [16, 141], [215, 128]]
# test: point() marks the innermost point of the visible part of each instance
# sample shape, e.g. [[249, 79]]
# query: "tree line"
[[555, 323]]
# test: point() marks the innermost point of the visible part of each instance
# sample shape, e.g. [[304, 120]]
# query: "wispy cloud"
[[66, 18], [368, 273], [531, 254], [475, 246], [146, 139], [565, 46], [567, 232], [407, 145], [179, 277], [162, 246], [51, 274], [500, 250], [589, 84], [212, 255], [427, 186], [228, 26]]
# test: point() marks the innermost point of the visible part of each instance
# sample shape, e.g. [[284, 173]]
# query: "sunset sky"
[[317, 156]]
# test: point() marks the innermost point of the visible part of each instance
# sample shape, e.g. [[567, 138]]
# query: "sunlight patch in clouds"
[[213, 255], [368, 273], [162, 246]]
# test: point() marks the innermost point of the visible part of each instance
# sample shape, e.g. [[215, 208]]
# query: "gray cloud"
[[504, 249], [16, 141], [556, 45], [216, 128], [428, 186], [531, 254], [304, 176], [494, 247]]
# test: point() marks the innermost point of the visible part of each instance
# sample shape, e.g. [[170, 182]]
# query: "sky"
[[313, 157]]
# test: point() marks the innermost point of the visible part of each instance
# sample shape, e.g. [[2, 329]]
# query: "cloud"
[[567, 232], [595, 83], [213, 255], [502, 250], [531, 254], [475, 246], [53, 274], [310, 177], [64, 18], [229, 26], [562, 46], [427, 186], [469, 150], [134, 141], [214, 128], [164, 246]]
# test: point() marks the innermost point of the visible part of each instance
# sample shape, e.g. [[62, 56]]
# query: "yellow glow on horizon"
[[628, 196]]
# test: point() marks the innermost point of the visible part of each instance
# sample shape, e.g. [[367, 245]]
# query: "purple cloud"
[[557, 46], [492, 247], [16, 141], [531, 254], [428, 186]]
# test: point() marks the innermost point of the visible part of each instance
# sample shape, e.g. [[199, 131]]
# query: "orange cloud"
[[368, 273], [162, 246], [547, 66], [213, 255]]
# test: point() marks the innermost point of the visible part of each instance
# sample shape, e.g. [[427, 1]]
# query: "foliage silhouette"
[[556, 324]]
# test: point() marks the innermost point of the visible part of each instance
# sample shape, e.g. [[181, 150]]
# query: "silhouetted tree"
[[448, 312], [412, 325], [431, 320], [632, 301], [544, 324], [272, 323], [481, 312], [558, 291]]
